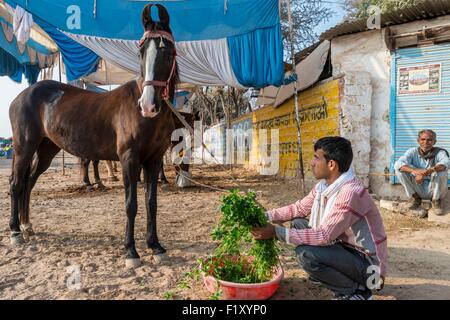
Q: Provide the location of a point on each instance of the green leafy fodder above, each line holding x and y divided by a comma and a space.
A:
239, 258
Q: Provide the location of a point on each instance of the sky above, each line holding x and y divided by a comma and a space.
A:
10, 89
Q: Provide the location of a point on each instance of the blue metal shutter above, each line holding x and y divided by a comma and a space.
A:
412, 113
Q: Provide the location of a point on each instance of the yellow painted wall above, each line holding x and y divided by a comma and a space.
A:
319, 116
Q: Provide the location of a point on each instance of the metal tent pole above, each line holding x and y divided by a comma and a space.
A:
297, 118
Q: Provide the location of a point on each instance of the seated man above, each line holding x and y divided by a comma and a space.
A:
423, 172
343, 246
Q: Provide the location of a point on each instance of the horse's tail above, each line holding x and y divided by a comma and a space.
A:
80, 163
11, 177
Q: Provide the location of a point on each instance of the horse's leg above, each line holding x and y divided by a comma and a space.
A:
85, 173
98, 181
46, 152
151, 170
129, 172
111, 170
139, 174
162, 176
18, 190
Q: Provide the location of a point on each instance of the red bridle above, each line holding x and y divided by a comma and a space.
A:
157, 83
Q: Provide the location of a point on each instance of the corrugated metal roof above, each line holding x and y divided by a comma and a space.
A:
427, 9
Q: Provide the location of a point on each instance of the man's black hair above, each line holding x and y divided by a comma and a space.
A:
338, 149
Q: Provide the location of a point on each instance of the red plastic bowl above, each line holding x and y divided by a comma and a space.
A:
245, 291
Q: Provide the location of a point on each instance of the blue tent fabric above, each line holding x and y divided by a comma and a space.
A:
254, 59
31, 72
79, 60
190, 20
251, 57
16, 62
9, 66
12, 47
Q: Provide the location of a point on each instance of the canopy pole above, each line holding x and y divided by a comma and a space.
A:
297, 118
63, 156
95, 9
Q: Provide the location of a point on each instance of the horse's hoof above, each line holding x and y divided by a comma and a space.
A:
165, 186
132, 263
27, 229
101, 186
156, 248
157, 258
17, 238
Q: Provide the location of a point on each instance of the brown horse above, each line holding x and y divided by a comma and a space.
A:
190, 119
85, 173
131, 124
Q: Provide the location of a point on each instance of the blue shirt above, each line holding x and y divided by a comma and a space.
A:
411, 158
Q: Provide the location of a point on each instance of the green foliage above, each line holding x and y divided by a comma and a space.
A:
184, 281
359, 8
168, 295
239, 258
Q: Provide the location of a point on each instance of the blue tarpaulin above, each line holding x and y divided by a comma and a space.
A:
21, 59
219, 42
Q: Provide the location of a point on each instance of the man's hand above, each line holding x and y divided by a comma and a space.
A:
419, 178
263, 233
419, 172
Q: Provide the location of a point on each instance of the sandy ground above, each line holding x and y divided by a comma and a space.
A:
80, 230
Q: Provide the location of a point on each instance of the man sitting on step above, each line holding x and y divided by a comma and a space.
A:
423, 172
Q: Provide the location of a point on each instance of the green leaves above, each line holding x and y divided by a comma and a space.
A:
239, 258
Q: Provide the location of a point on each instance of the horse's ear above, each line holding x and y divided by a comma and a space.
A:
146, 17
163, 16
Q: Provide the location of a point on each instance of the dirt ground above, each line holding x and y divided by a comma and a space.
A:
80, 229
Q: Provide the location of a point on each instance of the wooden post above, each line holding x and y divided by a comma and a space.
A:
297, 118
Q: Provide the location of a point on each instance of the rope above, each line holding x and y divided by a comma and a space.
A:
192, 132
199, 183
233, 179
382, 174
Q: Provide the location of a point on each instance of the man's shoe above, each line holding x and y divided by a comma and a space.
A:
357, 295
419, 213
313, 280
436, 208
414, 202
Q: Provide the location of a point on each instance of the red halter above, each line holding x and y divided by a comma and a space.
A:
157, 83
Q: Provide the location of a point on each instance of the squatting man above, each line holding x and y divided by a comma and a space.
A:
343, 245
423, 173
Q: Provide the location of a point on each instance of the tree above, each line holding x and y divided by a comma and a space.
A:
219, 103
358, 8
306, 15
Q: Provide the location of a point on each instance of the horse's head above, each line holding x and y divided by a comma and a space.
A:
158, 64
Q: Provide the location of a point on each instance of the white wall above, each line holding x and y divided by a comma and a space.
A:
367, 52
354, 119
